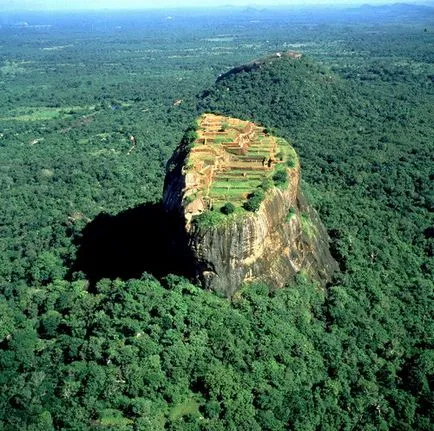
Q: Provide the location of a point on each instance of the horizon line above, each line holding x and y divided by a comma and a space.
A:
347, 4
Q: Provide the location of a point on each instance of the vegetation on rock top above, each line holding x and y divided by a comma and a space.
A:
236, 161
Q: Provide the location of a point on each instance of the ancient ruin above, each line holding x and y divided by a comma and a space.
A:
227, 161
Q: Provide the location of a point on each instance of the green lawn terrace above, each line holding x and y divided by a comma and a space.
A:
228, 160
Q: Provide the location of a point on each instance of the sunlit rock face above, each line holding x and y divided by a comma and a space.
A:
279, 239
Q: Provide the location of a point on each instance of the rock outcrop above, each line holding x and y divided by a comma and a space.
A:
258, 63
213, 177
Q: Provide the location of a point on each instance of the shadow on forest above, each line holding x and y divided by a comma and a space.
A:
141, 239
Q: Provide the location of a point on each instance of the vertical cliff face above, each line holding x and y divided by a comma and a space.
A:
280, 237
284, 237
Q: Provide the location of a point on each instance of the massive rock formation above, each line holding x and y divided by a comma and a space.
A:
235, 191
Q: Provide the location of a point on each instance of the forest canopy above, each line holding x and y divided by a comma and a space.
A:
123, 348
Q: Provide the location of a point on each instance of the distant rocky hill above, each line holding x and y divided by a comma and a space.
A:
283, 91
235, 190
258, 63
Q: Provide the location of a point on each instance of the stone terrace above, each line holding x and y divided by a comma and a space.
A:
229, 159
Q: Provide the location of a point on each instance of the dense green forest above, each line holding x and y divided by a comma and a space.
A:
103, 341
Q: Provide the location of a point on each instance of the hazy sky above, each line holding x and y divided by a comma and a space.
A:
140, 4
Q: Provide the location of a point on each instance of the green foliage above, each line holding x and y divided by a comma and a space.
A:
280, 178
142, 355
187, 407
220, 139
227, 208
190, 135
7, 321
254, 200
209, 219
267, 184
132, 353
113, 419
291, 161
225, 125
189, 199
